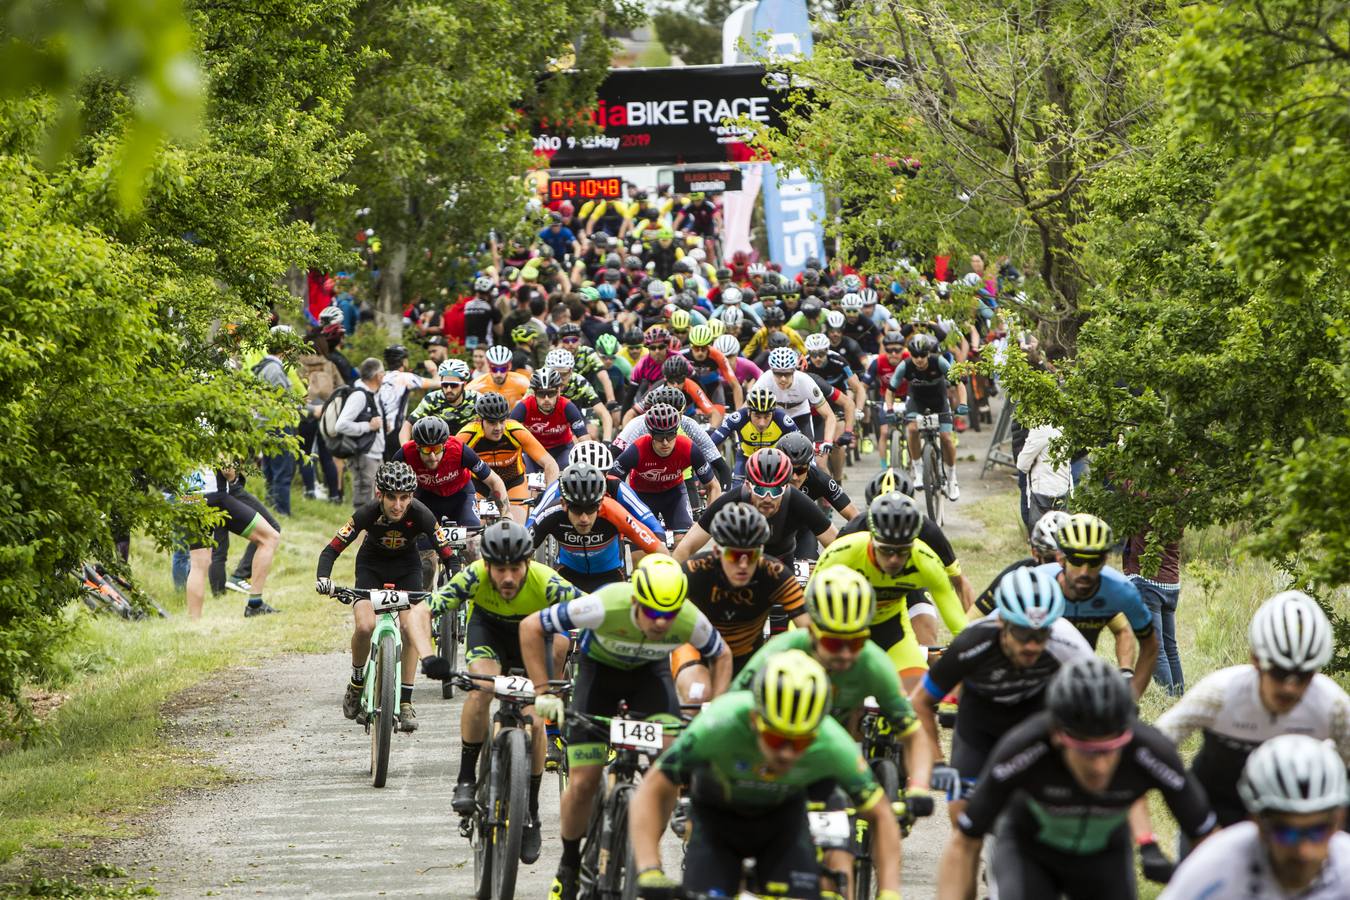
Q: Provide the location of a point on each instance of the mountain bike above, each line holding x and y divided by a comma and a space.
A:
106, 591
380, 691
450, 625
934, 467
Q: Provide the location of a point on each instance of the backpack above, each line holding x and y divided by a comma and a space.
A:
344, 446
321, 376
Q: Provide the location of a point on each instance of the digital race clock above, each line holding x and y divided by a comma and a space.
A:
585, 188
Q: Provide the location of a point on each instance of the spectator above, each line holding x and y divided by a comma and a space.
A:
361, 421
395, 388
241, 579
279, 468
1161, 593
1048, 482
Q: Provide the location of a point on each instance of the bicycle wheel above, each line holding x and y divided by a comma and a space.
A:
512, 808
589, 874
448, 641
899, 458
864, 874
382, 728
620, 872
481, 836
933, 486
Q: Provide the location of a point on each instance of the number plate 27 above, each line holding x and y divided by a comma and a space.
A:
631, 734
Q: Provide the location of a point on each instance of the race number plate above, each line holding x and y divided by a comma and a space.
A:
487, 508
515, 687
631, 734
457, 535
802, 569
830, 829
535, 481
387, 601
930, 422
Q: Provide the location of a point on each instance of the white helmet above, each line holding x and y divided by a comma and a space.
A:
591, 453
728, 345
697, 255
453, 368
484, 284
1293, 773
330, 315
732, 316
1290, 631
834, 319
757, 269
656, 289
1044, 531
851, 301
560, 359
784, 359
499, 355
731, 295
817, 342
868, 296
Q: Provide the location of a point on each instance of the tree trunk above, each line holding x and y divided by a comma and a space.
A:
389, 310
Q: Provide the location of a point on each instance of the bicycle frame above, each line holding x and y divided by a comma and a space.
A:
386, 623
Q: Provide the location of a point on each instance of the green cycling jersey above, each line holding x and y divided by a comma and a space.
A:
542, 588
610, 633
456, 415
580, 392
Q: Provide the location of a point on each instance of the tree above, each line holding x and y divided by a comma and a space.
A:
693, 31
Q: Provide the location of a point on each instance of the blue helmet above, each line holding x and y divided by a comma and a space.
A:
1029, 597
606, 291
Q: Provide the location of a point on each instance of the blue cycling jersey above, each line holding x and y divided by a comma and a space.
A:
626, 496
1115, 594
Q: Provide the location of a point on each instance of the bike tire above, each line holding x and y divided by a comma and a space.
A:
448, 640
620, 873
588, 873
933, 486
513, 807
898, 458
864, 873
382, 728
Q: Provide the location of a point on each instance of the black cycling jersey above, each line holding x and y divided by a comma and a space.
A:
861, 331
835, 370
975, 659
819, 485
985, 602
1026, 780
795, 513
391, 544
929, 533
479, 317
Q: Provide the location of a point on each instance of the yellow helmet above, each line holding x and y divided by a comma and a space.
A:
1084, 533
680, 320
792, 693
841, 600
699, 335
718, 327
659, 583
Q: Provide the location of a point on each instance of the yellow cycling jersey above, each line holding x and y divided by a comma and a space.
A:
924, 570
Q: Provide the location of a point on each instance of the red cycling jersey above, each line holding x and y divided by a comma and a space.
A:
449, 477
555, 429
653, 473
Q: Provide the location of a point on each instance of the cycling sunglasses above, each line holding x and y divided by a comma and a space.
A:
659, 614
1293, 835
581, 510
838, 643
429, 449
571, 340
1024, 635
1285, 675
761, 490
891, 549
776, 741
447, 385
1096, 746
1091, 560
664, 435
499, 370
735, 555
546, 395
801, 470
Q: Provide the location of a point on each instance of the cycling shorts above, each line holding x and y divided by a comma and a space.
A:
980, 725
492, 637
914, 409
778, 839
1027, 870
672, 506
648, 689
458, 508
240, 518
589, 582
559, 454
896, 637
805, 424
403, 574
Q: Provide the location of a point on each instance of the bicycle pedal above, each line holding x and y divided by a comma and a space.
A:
466, 827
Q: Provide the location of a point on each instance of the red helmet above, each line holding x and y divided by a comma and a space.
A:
768, 467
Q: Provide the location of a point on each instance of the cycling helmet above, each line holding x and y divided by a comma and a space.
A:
757, 269
731, 296
784, 359
663, 419
607, 345
761, 400
1029, 597
656, 336
668, 394
768, 467
483, 284
868, 297
684, 266
1290, 631
732, 316
723, 274
333, 331
811, 274
633, 336
727, 344
582, 485
768, 289
851, 283
632, 262
817, 343
569, 329
330, 315
453, 369
675, 368
851, 303
394, 356
656, 289
680, 320
659, 583
834, 320
893, 519
395, 478
560, 359
841, 600
605, 291
591, 453
430, 431
1293, 773
777, 339
1046, 527
1084, 533
893, 339
922, 345
612, 276
798, 448
740, 525
613, 261
811, 307
718, 327
792, 693
521, 335
506, 541
834, 294
700, 336
889, 481
491, 407
773, 316
589, 294
1090, 699
500, 354
545, 380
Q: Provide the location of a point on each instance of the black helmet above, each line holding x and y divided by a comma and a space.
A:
723, 274
778, 339
668, 394
492, 407
774, 316
798, 448
922, 345
632, 262
567, 329
506, 541
582, 485
613, 261
394, 356
893, 519
811, 307
887, 481
1090, 698
430, 431
633, 336
675, 368
395, 478
768, 289
544, 380
741, 526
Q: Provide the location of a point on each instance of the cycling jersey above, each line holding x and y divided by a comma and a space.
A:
718, 756
504, 456
541, 589
1226, 706
600, 550
619, 490
795, 514
647, 371
694, 396
513, 387
862, 331
391, 545
479, 317
834, 370
580, 392
610, 634
799, 398
820, 485
985, 602
929, 533
456, 415
761, 341
1234, 865
879, 372
553, 429
927, 387
1115, 594
739, 613
871, 675
451, 475
650, 473
688, 427
748, 437
1027, 781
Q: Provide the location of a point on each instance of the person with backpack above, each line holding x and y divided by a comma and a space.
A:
392, 397
354, 429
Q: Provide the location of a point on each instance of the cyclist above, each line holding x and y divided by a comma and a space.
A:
787, 509
775, 322
654, 466
554, 420
647, 370
589, 526
858, 327
505, 587
830, 367
748, 760
746, 372
759, 424
797, 393
388, 556
893, 559
1043, 550
925, 371
499, 378
594, 453
839, 343
691, 429
578, 390
808, 478
627, 630
1294, 788
587, 359
712, 370
878, 378
502, 442
453, 403
1096, 593
1057, 789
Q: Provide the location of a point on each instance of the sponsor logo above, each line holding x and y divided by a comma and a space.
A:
1159, 769
393, 540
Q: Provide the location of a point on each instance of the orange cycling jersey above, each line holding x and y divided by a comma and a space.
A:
505, 455
513, 388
